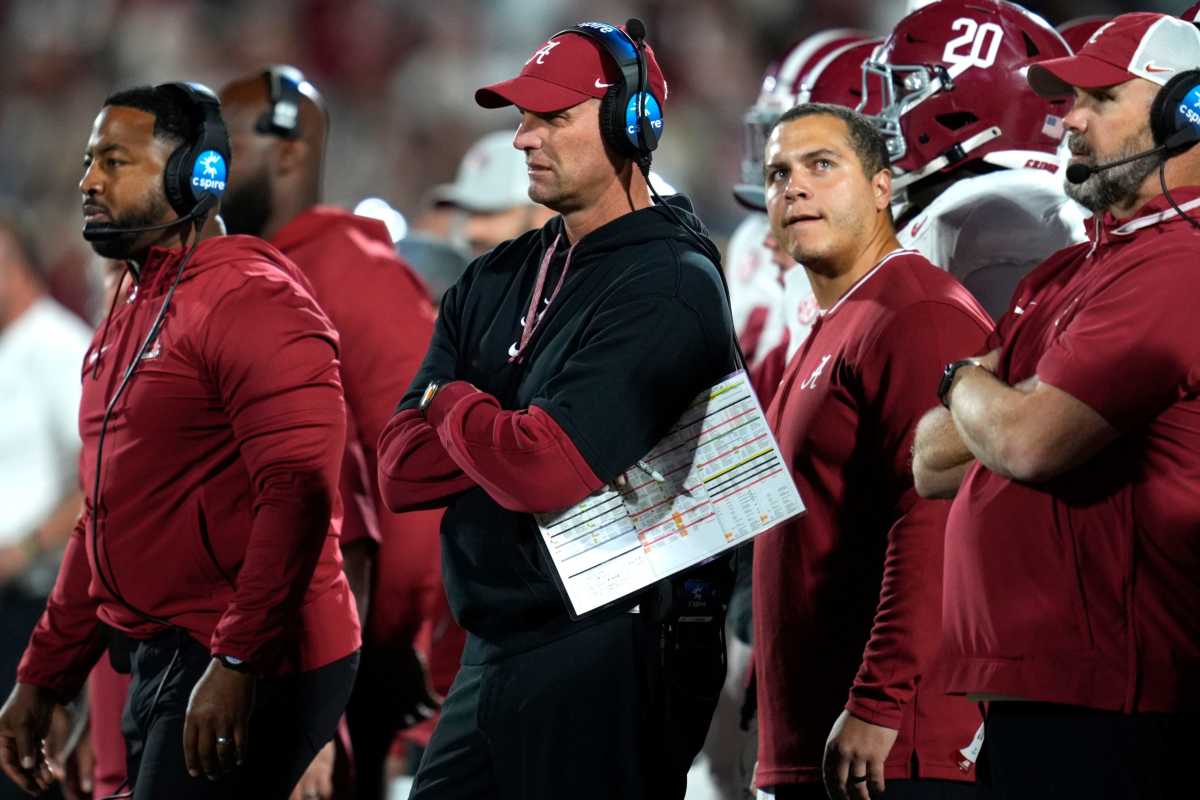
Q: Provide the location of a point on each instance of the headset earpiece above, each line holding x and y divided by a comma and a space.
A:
1175, 112
199, 169
630, 115
282, 119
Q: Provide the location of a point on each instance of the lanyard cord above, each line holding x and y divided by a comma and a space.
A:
532, 317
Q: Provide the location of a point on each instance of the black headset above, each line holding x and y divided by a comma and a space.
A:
282, 119
631, 119
196, 173
1175, 113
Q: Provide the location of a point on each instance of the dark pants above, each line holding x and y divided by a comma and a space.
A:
603, 713
896, 790
390, 683
1042, 750
294, 716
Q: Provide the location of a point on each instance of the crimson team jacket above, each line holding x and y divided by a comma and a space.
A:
384, 320
218, 508
847, 597
1083, 590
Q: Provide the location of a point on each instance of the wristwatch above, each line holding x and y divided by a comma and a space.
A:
948, 374
430, 392
233, 662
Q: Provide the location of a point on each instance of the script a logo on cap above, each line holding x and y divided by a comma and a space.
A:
541, 53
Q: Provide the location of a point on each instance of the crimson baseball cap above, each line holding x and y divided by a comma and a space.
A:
1156, 47
568, 69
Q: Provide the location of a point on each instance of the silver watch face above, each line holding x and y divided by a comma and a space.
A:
427, 398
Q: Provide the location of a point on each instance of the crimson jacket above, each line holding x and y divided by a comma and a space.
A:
218, 508
384, 320
847, 597
1084, 590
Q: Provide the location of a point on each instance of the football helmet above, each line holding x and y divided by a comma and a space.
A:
838, 79
952, 75
1192, 14
780, 88
1077, 31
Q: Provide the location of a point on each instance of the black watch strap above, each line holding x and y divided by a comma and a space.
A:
948, 377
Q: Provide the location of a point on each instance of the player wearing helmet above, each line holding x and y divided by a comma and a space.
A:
974, 149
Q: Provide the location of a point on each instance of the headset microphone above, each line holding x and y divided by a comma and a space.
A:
1078, 173
105, 233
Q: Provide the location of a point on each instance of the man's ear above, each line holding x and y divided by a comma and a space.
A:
290, 155
881, 185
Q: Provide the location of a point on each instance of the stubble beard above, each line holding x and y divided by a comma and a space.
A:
1115, 186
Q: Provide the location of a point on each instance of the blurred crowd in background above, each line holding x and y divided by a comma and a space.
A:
399, 77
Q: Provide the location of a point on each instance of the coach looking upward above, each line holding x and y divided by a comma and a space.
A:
212, 424
847, 601
1073, 545
558, 360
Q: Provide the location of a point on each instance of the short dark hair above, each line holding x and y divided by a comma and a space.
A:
174, 120
868, 143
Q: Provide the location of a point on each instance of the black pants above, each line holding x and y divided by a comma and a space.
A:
389, 684
1042, 750
896, 790
604, 713
293, 718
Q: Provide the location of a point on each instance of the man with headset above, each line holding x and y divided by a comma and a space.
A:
1072, 546
213, 424
558, 360
278, 125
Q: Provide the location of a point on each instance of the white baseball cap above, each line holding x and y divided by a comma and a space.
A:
491, 177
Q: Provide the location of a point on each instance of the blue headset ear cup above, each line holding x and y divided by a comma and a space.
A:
1163, 121
652, 133
175, 183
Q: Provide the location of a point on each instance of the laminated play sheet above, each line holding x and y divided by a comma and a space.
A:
716, 480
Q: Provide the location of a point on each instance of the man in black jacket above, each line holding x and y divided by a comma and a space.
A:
558, 360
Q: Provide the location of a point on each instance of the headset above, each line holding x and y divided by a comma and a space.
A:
631, 119
282, 119
1175, 113
1175, 127
196, 173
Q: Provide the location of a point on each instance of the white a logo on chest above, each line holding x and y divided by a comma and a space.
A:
811, 381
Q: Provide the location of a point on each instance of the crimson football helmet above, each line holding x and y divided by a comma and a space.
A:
838, 79
780, 88
953, 77
1077, 31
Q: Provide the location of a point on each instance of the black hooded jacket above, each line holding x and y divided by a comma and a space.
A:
640, 326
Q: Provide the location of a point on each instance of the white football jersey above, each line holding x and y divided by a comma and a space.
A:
990, 230
756, 292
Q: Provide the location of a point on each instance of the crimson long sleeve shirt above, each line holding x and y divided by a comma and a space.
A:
218, 509
847, 597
